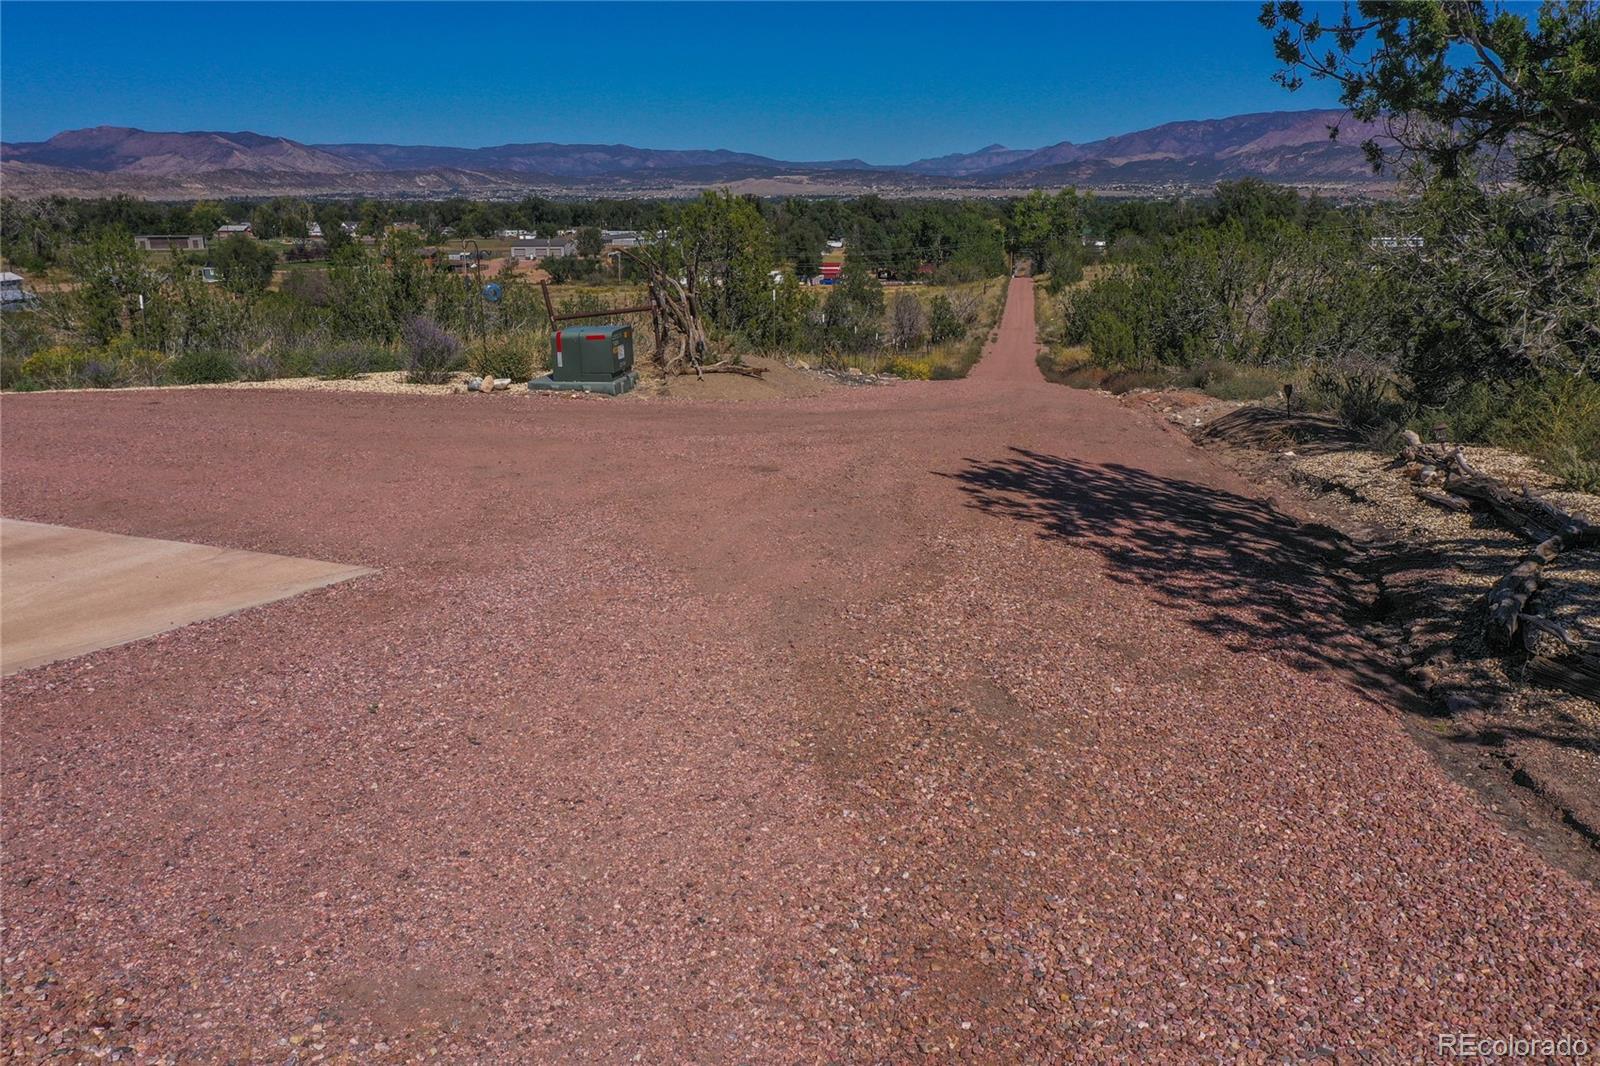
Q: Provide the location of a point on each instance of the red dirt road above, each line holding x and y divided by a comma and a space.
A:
979, 720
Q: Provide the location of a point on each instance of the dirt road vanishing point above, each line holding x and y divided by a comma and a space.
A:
975, 720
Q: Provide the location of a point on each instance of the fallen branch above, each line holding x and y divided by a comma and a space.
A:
728, 366
1552, 529
1527, 514
1444, 499
1508, 600
1530, 624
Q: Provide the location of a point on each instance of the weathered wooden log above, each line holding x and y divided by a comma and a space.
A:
1552, 529
1530, 516
1577, 674
1508, 600
1444, 499
726, 366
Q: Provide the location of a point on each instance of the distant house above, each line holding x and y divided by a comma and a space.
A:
350, 227
234, 229
545, 248
836, 243
314, 230
515, 234
170, 242
621, 238
13, 296
831, 271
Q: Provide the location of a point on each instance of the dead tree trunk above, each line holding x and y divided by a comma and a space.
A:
680, 334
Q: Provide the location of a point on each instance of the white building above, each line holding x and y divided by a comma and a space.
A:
13, 296
170, 242
545, 248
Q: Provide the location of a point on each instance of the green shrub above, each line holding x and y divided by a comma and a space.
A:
135, 365
202, 368
1470, 414
502, 357
1359, 400
1232, 381
1121, 381
1574, 469
22, 333
1556, 420
260, 366
1111, 339
56, 367
342, 363
944, 324
11, 368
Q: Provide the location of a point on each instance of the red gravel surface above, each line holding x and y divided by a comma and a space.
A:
979, 720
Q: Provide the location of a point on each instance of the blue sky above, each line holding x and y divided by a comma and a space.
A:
887, 83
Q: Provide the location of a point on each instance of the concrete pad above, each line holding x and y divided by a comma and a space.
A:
65, 592
615, 387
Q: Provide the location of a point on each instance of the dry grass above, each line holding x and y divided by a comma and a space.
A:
952, 359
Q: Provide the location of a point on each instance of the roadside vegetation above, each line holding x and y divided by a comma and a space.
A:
1473, 303
919, 288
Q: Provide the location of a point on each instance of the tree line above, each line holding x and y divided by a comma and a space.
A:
958, 239
108, 304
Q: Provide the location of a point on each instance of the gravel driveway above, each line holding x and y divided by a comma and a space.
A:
979, 720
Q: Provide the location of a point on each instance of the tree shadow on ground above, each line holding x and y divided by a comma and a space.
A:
1235, 567
1271, 429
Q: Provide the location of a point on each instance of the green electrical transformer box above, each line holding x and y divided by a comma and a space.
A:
591, 359
592, 353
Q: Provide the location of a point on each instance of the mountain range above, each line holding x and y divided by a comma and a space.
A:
1286, 146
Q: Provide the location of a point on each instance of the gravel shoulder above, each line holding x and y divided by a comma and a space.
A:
972, 719
1531, 749
781, 380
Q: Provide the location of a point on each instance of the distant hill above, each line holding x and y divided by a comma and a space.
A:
993, 158
1272, 144
1284, 146
118, 150
551, 160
